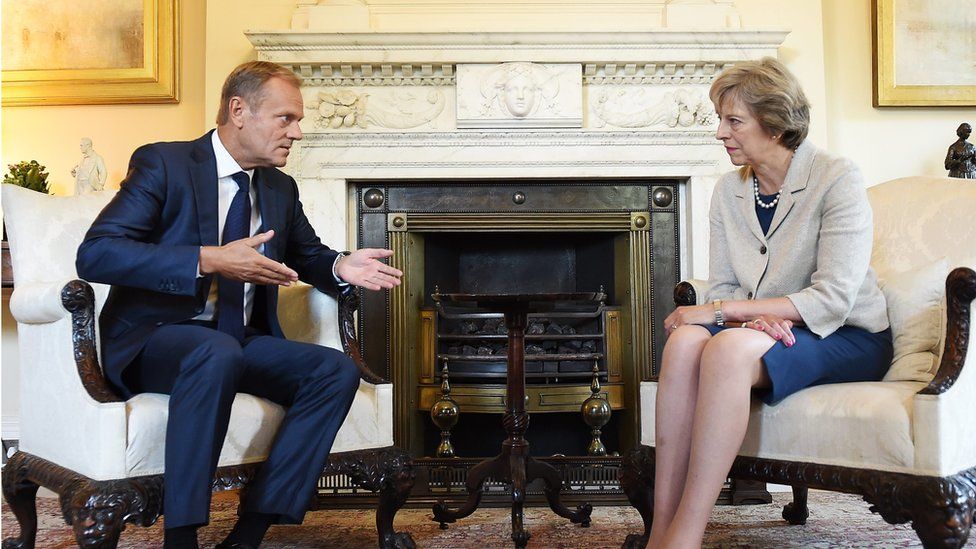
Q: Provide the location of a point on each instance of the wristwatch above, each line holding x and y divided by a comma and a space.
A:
719, 315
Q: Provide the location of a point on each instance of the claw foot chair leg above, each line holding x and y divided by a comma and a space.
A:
943, 524
393, 495
384, 470
98, 511
637, 481
797, 512
20, 494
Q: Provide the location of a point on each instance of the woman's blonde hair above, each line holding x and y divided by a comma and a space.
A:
771, 93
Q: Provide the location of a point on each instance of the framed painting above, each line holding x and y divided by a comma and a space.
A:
924, 53
65, 52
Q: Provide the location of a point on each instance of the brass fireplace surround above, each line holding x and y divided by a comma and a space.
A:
641, 217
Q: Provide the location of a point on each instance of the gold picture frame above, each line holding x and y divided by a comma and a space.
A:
913, 54
157, 80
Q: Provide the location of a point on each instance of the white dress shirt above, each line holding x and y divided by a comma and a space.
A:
226, 189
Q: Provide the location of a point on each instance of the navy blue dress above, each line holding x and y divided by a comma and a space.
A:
848, 354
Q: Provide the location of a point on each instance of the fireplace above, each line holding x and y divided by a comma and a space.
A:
616, 236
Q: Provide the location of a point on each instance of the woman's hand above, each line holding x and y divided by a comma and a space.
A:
776, 327
692, 314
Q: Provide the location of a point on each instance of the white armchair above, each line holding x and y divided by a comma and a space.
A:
104, 456
907, 444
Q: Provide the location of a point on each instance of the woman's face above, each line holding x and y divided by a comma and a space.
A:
746, 141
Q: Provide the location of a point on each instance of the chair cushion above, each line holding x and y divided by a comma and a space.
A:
863, 425
916, 309
253, 424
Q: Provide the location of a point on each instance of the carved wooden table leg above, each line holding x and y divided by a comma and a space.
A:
493, 467
513, 465
539, 469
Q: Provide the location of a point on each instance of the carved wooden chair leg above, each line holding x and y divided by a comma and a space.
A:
797, 512
384, 470
20, 494
98, 511
96, 518
637, 481
942, 514
393, 495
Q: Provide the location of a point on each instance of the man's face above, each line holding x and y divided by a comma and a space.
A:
269, 129
964, 131
85, 147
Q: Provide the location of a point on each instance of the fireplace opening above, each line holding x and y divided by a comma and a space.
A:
518, 263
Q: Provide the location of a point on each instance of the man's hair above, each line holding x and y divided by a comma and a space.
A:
247, 82
771, 93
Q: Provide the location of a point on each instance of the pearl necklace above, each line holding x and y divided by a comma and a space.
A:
759, 202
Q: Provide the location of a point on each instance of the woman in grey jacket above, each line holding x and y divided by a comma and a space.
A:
792, 300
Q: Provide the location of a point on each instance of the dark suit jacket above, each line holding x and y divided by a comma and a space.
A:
146, 244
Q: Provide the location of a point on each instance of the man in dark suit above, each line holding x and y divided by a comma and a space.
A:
195, 245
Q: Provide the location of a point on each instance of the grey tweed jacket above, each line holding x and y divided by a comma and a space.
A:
817, 250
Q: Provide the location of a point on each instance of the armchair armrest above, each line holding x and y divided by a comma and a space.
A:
943, 431
50, 302
348, 305
960, 292
690, 292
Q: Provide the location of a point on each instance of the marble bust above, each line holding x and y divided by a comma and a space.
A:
89, 173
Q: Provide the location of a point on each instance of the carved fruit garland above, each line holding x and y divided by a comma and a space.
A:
342, 108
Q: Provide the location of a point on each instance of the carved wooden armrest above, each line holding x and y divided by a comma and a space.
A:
78, 299
684, 294
348, 304
960, 292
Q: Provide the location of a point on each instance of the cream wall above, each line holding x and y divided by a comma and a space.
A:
886, 143
51, 135
227, 46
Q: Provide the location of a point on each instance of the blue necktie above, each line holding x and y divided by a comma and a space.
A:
230, 293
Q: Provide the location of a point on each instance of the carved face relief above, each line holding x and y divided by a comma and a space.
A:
518, 90
520, 93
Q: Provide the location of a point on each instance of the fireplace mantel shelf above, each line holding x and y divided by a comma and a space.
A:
472, 47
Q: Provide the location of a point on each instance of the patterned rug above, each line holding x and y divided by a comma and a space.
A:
836, 520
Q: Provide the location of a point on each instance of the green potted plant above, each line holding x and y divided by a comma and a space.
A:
29, 175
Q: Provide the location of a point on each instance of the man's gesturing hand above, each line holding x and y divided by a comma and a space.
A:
364, 268
239, 260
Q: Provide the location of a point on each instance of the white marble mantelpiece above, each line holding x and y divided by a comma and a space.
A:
384, 106
668, 46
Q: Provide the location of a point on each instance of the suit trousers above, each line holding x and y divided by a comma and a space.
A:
202, 369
